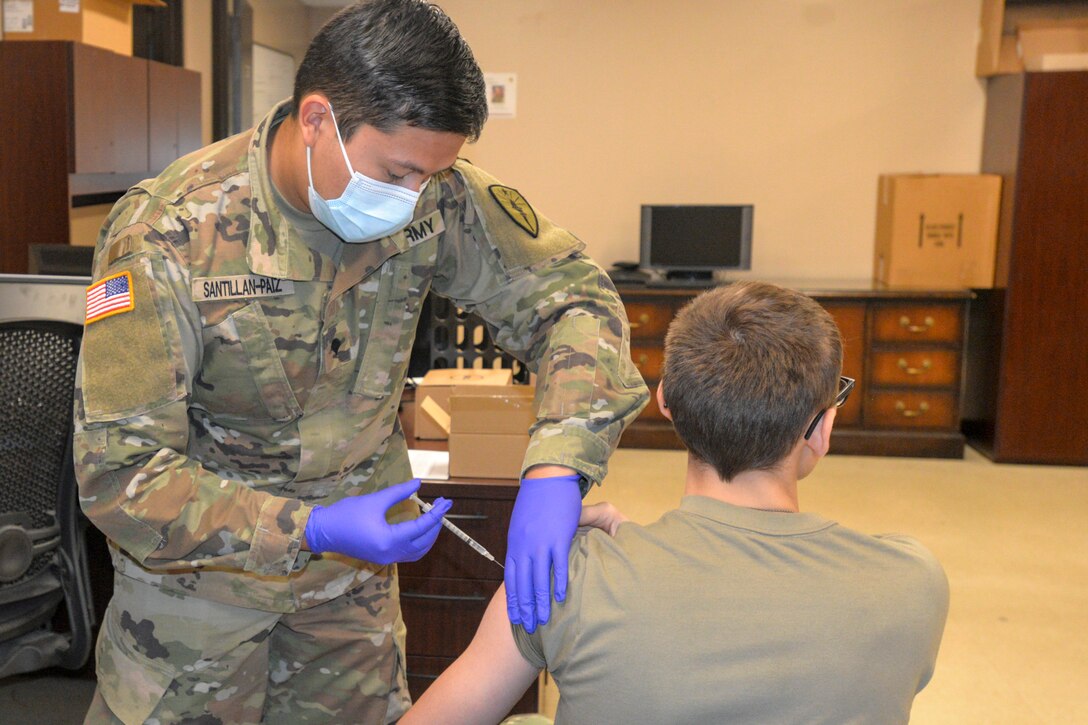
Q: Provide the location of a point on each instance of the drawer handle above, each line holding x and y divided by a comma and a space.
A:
467, 517
900, 406
444, 597
643, 358
643, 319
905, 367
418, 676
926, 326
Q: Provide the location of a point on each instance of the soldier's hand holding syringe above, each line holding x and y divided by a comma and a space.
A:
477, 546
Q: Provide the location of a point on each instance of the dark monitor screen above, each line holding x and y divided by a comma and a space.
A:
60, 259
696, 237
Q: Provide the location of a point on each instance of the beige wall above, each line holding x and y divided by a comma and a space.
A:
283, 25
793, 106
85, 222
198, 55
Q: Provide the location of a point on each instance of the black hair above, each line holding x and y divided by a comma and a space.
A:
390, 62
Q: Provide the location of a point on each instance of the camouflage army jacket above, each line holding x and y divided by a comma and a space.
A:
254, 376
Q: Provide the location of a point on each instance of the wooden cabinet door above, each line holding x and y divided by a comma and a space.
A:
1041, 413
174, 113
850, 318
34, 148
109, 125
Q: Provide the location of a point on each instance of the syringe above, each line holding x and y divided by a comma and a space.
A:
457, 532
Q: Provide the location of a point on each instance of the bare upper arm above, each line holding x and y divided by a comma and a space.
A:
484, 682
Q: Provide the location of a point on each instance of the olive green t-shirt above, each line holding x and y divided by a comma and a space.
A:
717, 613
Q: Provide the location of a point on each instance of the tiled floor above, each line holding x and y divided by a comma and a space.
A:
1013, 540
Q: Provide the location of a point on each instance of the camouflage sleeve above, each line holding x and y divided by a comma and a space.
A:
132, 425
551, 307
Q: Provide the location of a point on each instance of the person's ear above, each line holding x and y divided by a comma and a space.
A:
312, 112
661, 404
820, 440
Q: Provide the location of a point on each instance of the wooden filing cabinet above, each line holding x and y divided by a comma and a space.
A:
904, 348
443, 596
81, 124
914, 360
1027, 351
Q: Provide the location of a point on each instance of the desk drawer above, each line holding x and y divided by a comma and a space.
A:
917, 323
442, 614
649, 360
485, 520
911, 409
649, 320
916, 367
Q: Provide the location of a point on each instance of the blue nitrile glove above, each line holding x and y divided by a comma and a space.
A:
541, 528
356, 526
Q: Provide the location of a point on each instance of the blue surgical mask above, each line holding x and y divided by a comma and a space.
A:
368, 209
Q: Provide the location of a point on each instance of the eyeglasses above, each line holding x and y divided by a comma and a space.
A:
845, 386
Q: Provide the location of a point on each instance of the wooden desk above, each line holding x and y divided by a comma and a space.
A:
443, 595
903, 346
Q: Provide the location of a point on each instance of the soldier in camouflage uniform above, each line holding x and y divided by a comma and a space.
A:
242, 368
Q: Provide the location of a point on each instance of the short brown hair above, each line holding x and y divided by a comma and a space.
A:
747, 367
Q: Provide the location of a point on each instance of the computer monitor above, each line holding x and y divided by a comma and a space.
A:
690, 242
60, 259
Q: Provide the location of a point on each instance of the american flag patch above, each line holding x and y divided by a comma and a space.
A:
110, 296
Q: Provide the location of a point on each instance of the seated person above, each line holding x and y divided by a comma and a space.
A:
734, 607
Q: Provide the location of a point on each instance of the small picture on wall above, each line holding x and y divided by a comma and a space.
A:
502, 94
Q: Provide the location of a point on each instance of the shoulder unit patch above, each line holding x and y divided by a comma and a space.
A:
516, 207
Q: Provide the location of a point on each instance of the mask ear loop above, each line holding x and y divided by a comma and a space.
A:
309, 173
344, 151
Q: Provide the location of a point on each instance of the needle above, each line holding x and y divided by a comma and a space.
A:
457, 532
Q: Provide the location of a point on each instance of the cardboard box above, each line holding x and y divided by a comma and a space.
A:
1053, 47
433, 397
1030, 36
489, 431
495, 409
937, 230
487, 455
996, 53
104, 23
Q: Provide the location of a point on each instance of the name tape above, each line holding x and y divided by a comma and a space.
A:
240, 286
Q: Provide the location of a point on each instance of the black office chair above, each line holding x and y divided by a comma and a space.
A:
46, 612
